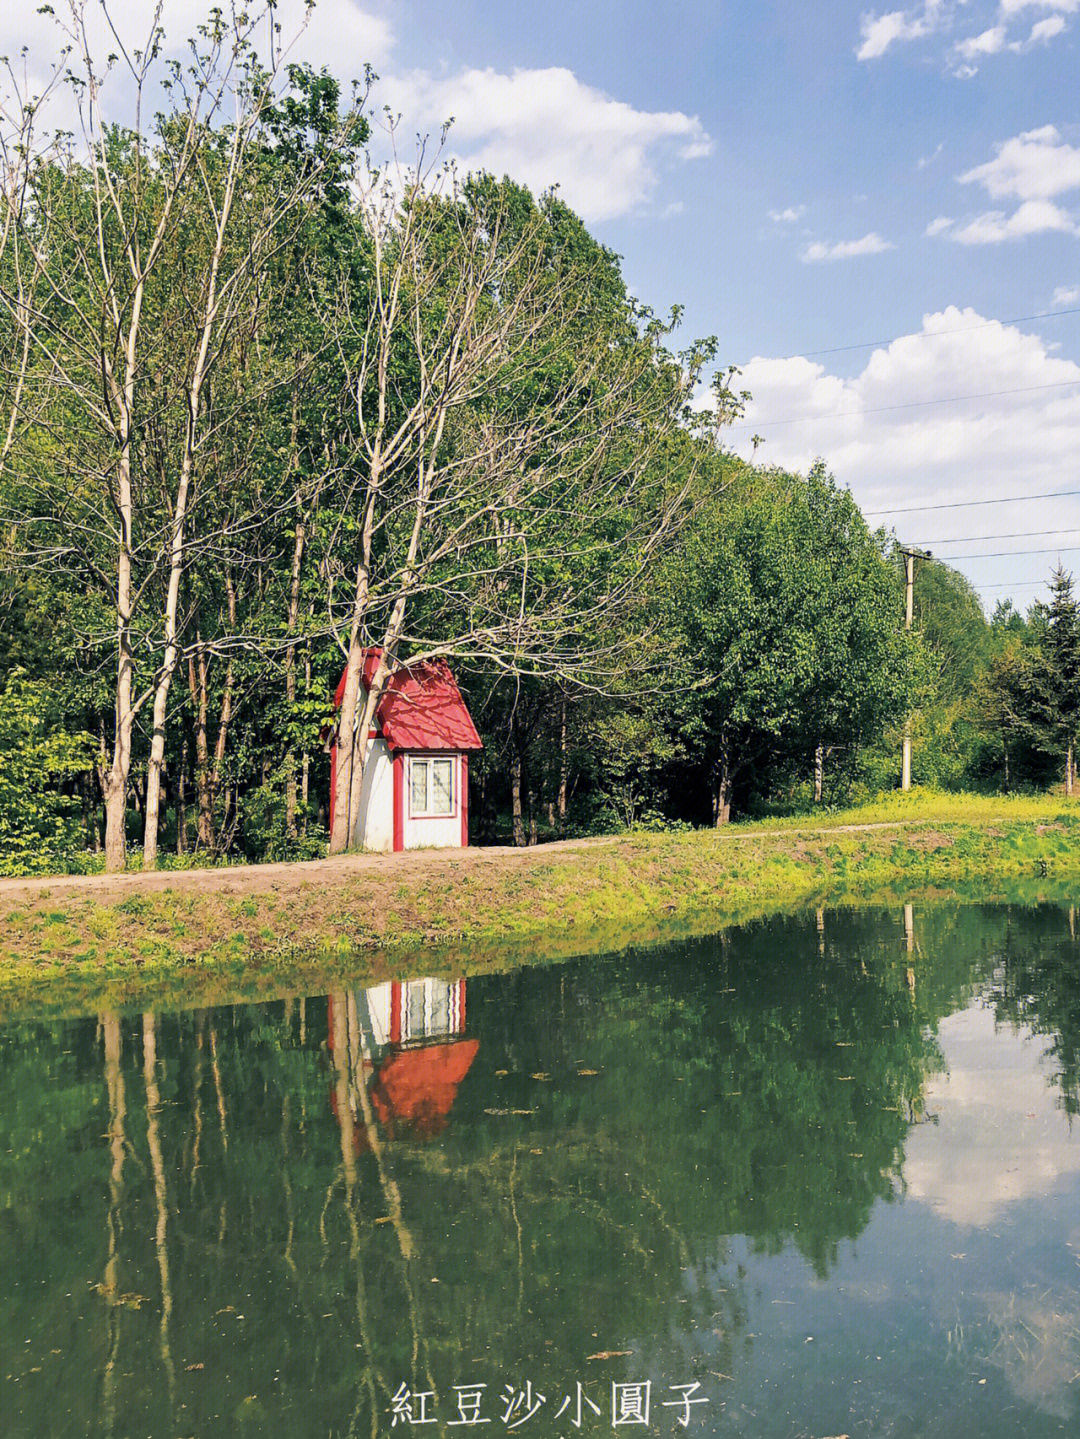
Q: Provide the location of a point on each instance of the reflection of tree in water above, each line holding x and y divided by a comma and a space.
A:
1038, 986
763, 1088
291, 1247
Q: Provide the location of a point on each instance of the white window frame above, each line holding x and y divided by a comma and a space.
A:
427, 761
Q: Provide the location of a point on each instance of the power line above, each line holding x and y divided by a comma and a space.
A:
913, 335
1004, 554
969, 504
1013, 535
1006, 585
910, 405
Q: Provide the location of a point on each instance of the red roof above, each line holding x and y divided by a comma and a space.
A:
421, 707
418, 1086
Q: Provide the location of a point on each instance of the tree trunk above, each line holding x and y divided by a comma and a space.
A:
156, 761
722, 792
114, 780
197, 683
533, 836
1005, 756
342, 827
515, 797
209, 768
564, 763
305, 763
115, 783
221, 743
96, 814
819, 772
290, 678
181, 801
1069, 769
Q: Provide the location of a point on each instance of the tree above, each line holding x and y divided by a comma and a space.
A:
1041, 691
787, 626
1060, 652
132, 262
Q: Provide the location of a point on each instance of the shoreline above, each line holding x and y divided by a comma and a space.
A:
115, 941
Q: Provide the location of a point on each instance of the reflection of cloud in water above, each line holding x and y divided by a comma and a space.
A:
1036, 1344
1000, 1136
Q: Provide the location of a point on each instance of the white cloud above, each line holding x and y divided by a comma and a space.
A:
788, 216
1044, 30
988, 43
1066, 295
546, 127
879, 32
994, 41
1014, 7
1034, 217
925, 160
1034, 165
879, 435
871, 244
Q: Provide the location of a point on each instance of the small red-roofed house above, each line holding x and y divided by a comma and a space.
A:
415, 793
408, 1039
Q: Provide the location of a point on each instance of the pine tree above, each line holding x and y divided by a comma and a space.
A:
1056, 695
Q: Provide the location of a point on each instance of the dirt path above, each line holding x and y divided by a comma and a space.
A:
296, 876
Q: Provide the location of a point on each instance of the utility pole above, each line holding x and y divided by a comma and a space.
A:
910, 556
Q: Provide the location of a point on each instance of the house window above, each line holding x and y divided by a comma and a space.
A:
431, 787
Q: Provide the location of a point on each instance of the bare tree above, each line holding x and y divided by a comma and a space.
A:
501, 479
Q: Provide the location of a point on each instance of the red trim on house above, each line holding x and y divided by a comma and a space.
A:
399, 801
395, 1011
464, 801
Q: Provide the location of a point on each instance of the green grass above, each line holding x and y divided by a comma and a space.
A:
929, 805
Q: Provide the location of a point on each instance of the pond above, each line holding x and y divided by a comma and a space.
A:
817, 1176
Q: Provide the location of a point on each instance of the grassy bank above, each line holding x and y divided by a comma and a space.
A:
267, 929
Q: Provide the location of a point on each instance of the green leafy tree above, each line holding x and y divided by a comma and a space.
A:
786, 627
39, 757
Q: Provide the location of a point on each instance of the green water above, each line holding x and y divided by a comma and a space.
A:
825, 1169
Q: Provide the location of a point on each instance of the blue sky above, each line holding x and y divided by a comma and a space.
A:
800, 178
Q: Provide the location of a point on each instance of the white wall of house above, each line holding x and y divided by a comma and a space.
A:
375, 822
428, 830
378, 999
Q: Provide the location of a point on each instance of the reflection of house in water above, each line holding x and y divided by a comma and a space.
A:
405, 1041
